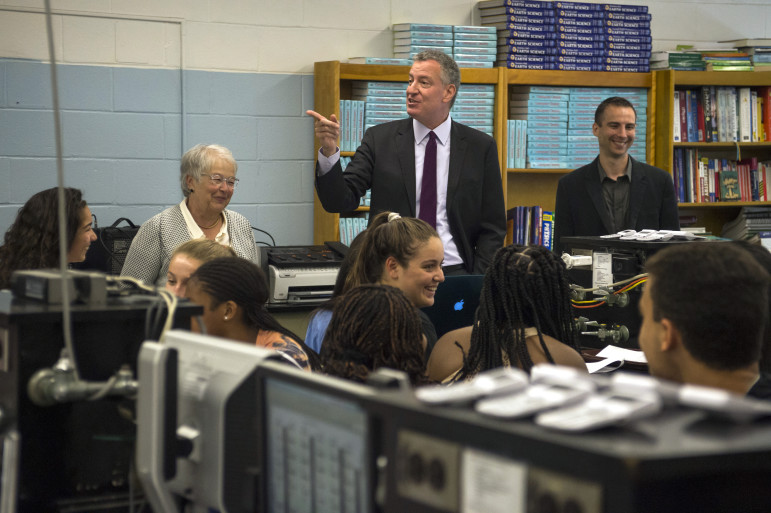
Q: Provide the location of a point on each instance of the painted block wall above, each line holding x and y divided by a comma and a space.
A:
142, 80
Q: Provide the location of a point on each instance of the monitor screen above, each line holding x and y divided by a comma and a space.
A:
318, 457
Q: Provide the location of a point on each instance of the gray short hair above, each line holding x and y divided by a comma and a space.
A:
448, 68
199, 160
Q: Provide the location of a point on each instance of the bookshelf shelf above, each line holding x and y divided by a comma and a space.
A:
539, 171
729, 145
711, 215
726, 204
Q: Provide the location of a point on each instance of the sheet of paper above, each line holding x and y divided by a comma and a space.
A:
606, 365
483, 490
619, 353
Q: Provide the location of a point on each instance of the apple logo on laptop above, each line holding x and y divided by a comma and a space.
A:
459, 306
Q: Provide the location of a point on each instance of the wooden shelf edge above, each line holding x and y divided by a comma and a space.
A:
538, 171
726, 204
758, 144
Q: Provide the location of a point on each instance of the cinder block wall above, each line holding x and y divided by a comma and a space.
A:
140, 81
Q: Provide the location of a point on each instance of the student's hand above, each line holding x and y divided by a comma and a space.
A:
327, 131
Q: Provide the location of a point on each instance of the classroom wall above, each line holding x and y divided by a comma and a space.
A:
140, 81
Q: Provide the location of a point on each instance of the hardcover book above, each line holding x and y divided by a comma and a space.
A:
422, 27
729, 185
571, 13
578, 6
531, 4
517, 11
631, 9
627, 24
521, 20
469, 30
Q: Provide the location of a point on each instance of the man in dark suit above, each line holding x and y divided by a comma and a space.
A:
470, 214
615, 192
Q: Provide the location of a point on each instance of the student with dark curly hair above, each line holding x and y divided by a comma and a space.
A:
373, 326
524, 318
233, 292
32, 241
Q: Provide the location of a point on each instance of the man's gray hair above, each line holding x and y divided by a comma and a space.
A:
448, 68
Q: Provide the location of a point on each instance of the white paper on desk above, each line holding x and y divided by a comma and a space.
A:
602, 365
483, 490
619, 353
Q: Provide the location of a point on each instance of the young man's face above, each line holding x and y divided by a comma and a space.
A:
650, 338
616, 133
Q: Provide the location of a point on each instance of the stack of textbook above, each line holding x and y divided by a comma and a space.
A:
383, 101
574, 36
749, 224
475, 107
473, 46
412, 38
351, 124
546, 110
759, 51
683, 60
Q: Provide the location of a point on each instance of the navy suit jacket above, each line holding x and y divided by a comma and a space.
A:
580, 208
385, 163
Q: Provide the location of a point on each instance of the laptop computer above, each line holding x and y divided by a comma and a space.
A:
455, 302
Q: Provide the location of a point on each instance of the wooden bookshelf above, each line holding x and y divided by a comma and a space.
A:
710, 215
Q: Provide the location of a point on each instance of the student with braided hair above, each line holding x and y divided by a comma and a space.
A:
403, 252
233, 292
373, 326
524, 318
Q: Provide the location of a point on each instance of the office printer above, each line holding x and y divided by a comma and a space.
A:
302, 274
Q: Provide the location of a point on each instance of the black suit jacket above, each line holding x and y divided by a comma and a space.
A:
385, 163
580, 208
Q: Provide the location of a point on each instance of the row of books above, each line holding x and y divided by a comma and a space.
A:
722, 114
700, 179
558, 129
350, 227
516, 143
759, 51
530, 225
470, 46
535, 34
687, 58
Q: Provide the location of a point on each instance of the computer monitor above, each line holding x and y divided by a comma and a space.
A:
198, 423
318, 443
232, 428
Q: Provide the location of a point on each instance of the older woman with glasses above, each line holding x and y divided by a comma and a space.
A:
208, 179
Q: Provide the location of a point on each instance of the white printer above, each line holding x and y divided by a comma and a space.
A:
302, 274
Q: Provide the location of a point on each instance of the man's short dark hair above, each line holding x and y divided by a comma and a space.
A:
616, 101
763, 256
716, 295
448, 68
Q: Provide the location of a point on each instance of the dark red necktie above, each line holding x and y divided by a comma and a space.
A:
428, 185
